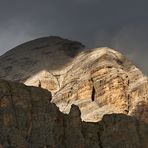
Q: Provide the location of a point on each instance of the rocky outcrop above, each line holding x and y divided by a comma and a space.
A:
100, 81
29, 120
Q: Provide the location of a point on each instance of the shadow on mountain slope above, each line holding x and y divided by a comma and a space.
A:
28, 59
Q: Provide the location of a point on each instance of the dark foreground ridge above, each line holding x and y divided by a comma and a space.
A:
29, 120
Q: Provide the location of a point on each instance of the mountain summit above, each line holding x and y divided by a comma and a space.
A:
100, 81
68, 87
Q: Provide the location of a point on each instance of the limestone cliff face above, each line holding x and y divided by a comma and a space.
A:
29, 120
100, 81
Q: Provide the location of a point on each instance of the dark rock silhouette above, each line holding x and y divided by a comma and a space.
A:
29, 120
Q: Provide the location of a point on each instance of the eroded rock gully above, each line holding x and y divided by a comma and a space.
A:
29, 120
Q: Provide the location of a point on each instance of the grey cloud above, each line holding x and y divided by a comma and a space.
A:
115, 23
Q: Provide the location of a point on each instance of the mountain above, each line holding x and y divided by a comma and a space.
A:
29, 120
99, 81
43, 55
102, 81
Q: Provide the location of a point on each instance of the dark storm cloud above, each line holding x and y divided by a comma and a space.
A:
120, 24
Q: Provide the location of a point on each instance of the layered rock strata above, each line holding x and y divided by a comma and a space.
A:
101, 82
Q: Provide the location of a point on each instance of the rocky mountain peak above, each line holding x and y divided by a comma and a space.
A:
100, 81
43, 54
68, 88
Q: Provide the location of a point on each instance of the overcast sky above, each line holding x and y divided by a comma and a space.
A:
120, 24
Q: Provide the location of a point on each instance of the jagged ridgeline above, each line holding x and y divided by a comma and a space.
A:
100, 81
29, 120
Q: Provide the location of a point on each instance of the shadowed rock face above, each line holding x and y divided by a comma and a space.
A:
100, 81
29, 120
42, 60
